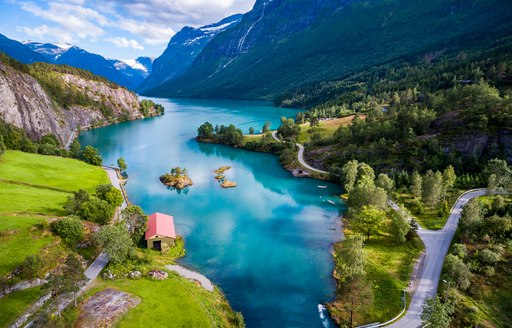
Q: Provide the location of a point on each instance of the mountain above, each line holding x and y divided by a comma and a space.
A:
19, 51
42, 98
281, 45
74, 56
134, 70
183, 48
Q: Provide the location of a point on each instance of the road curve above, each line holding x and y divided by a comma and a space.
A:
300, 156
436, 247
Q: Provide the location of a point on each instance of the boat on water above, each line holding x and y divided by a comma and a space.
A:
323, 187
331, 202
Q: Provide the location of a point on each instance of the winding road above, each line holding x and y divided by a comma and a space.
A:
300, 155
436, 247
436, 243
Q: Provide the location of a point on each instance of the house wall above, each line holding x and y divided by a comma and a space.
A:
168, 240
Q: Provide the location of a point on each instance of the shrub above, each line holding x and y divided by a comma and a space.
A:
92, 156
96, 210
110, 194
487, 256
70, 229
31, 268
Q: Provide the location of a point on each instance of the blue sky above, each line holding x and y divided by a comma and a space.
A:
122, 29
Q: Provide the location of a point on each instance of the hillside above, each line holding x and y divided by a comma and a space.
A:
281, 45
34, 191
47, 99
182, 50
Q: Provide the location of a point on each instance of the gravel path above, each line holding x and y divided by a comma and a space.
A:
192, 275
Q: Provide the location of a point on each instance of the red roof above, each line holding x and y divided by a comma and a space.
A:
160, 225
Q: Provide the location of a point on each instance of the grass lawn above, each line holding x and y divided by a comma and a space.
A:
18, 240
14, 304
389, 267
429, 218
175, 300
59, 172
29, 200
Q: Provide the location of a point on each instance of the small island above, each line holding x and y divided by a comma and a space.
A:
222, 178
228, 184
178, 178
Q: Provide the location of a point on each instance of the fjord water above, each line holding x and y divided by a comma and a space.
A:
267, 242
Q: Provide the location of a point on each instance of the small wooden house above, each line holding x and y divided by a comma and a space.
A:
160, 230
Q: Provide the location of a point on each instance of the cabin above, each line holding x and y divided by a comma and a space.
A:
160, 229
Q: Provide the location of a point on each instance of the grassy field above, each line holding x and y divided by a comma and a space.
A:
389, 266
326, 128
430, 218
176, 299
13, 304
19, 238
63, 173
29, 200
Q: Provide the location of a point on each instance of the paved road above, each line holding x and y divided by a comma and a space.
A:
436, 247
300, 156
70, 139
186, 273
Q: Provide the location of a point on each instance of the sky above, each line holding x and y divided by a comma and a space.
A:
121, 29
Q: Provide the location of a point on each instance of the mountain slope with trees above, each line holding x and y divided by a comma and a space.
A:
282, 45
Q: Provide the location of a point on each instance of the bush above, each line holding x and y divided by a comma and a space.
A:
74, 203
31, 268
489, 257
92, 156
70, 229
109, 193
96, 210
116, 241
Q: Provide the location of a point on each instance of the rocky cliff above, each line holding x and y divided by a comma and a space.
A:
25, 104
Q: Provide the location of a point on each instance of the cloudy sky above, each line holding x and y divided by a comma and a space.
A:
122, 29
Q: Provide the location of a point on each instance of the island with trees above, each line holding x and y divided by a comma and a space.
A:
178, 178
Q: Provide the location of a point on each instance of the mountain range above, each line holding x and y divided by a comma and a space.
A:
129, 73
281, 45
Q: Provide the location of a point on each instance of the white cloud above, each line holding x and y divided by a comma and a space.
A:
39, 33
177, 13
123, 42
73, 18
153, 34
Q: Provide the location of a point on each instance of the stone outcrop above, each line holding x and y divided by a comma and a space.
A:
25, 104
104, 308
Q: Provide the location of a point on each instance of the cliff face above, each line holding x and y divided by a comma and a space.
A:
25, 104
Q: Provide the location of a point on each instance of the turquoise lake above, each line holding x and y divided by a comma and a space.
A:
266, 243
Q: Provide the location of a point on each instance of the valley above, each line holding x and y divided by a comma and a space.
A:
276, 163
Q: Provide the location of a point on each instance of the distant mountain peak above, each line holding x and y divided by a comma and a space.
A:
135, 64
